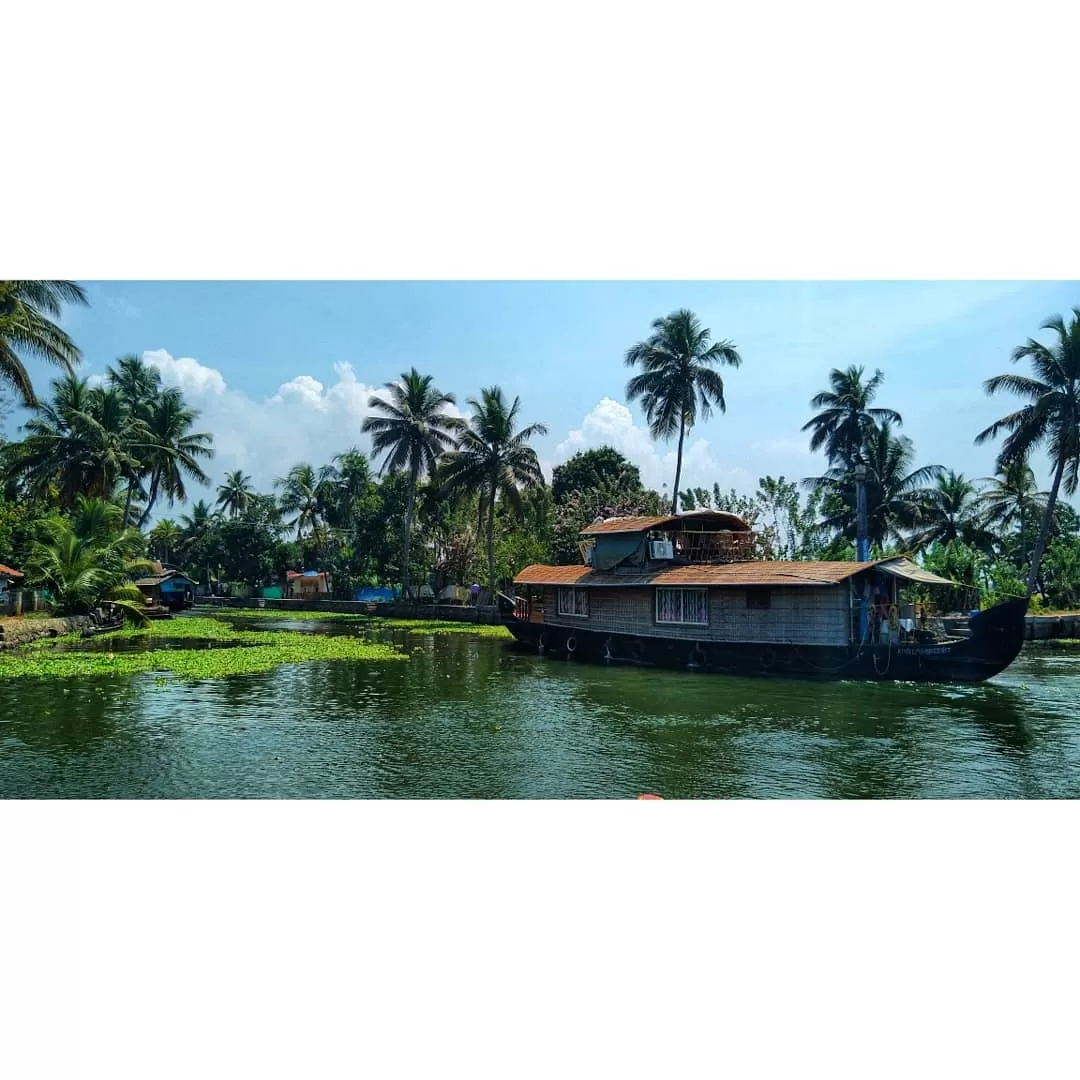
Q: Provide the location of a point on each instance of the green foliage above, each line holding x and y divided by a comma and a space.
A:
963, 564
600, 469
88, 559
1060, 574
1050, 416
27, 329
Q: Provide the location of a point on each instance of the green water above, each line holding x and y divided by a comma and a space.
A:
470, 718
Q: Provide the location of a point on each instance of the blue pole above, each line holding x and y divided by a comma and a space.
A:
862, 543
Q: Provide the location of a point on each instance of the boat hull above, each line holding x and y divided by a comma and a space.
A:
997, 635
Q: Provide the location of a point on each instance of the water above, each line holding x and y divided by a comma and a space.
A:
469, 718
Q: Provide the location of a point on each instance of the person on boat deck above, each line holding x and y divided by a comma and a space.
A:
881, 609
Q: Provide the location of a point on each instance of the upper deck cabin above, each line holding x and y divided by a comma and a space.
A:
703, 537
693, 575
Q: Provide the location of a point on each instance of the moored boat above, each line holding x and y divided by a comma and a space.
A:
686, 591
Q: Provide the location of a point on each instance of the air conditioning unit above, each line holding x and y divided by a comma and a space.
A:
661, 549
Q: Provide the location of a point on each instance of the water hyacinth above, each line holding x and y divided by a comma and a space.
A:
240, 651
252, 652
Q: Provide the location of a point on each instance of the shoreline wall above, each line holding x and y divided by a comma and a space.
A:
21, 631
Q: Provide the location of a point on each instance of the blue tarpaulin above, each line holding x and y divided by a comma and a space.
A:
369, 595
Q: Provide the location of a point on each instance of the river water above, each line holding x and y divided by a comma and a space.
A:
469, 717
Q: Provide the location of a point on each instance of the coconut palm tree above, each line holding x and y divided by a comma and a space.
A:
174, 451
846, 420
895, 490
82, 442
950, 511
1051, 416
137, 381
235, 494
89, 559
165, 537
678, 383
493, 460
196, 525
413, 431
27, 309
307, 493
1011, 497
51, 460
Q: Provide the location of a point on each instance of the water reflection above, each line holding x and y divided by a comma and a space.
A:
467, 718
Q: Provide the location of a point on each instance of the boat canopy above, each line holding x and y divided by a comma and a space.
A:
906, 570
688, 520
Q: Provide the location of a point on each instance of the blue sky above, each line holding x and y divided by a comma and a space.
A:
282, 370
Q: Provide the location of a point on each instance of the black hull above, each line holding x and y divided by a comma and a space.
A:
996, 638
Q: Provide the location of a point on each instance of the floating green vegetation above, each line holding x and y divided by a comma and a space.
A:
274, 649
1056, 644
439, 626
282, 613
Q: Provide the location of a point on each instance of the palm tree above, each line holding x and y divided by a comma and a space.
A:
414, 431
89, 559
948, 512
1051, 417
846, 419
307, 493
119, 443
51, 459
27, 309
1012, 499
165, 537
82, 442
494, 461
235, 494
197, 524
895, 490
138, 382
175, 450
677, 379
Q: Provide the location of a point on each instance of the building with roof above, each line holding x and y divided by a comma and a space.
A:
167, 588
307, 585
10, 581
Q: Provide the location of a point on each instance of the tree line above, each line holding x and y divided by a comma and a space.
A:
445, 500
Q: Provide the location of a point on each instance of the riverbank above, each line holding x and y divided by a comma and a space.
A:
16, 630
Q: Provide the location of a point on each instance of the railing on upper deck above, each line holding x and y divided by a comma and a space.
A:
713, 547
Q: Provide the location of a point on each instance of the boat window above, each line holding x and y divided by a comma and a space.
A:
574, 602
682, 606
759, 599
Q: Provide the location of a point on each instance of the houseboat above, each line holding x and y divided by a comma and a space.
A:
687, 591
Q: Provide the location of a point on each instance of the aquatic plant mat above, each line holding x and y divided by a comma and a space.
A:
217, 648
222, 651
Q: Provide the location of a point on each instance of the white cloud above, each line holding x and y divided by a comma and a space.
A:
303, 420
610, 423
193, 378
